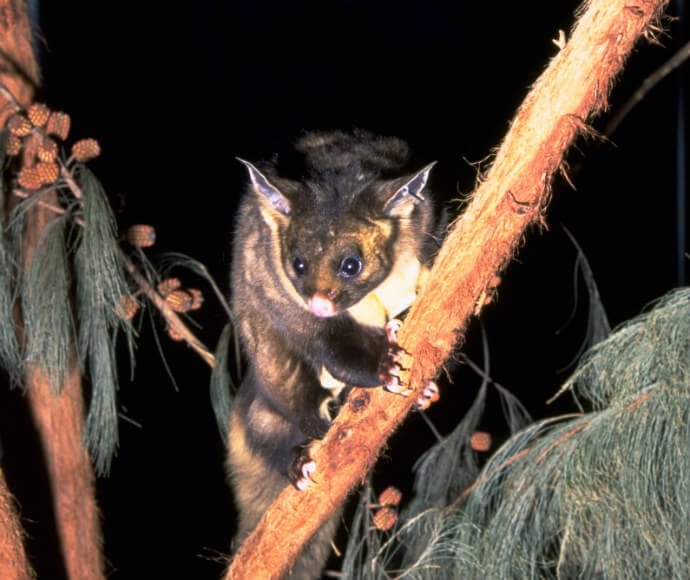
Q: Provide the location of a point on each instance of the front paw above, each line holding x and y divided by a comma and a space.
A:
314, 426
302, 470
394, 369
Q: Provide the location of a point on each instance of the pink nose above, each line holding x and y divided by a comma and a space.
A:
321, 306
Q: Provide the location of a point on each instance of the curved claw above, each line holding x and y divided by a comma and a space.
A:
394, 370
302, 470
306, 480
396, 364
398, 388
392, 328
429, 395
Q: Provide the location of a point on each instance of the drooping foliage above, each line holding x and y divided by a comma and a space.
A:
597, 494
10, 357
69, 293
100, 287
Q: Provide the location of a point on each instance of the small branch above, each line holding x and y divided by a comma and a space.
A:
519, 455
69, 180
173, 320
200, 269
647, 85
639, 400
498, 468
171, 316
562, 438
567, 435
44, 204
14, 106
217, 291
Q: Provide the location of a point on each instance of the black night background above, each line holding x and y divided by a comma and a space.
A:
174, 92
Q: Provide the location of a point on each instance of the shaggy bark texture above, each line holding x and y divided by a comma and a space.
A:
513, 195
13, 562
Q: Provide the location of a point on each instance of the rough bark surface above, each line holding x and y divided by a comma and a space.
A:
59, 420
13, 562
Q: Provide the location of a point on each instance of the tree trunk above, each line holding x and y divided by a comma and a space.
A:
59, 418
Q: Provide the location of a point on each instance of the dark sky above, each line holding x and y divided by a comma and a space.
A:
173, 95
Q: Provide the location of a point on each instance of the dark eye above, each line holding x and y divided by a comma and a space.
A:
299, 266
350, 266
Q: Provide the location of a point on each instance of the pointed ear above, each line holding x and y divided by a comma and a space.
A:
404, 193
266, 190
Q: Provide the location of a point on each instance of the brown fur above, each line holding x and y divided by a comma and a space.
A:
354, 203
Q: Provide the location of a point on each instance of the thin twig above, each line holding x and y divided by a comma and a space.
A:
5, 92
562, 438
484, 476
469, 489
44, 204
647, 85
173, 320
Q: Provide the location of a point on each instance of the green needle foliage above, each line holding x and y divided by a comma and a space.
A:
605, 494
598, 494
100, 286
71, 296
221, 382
222, 386
10, 356
48, 323
442, 473
450, 465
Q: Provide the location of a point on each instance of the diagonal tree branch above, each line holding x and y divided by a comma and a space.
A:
513, 195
